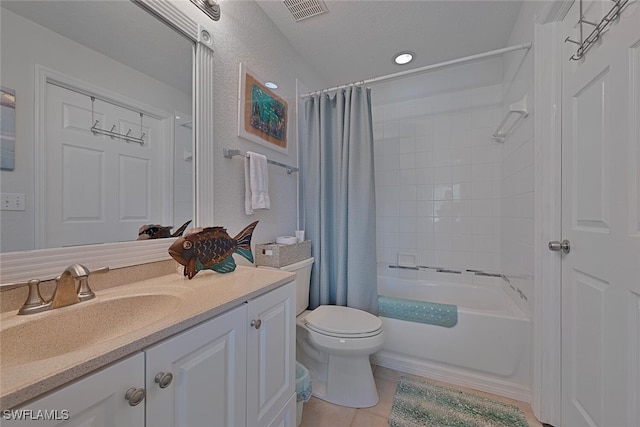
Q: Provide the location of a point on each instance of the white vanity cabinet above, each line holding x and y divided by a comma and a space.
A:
271, 357
234, 370
94, 401
198, 377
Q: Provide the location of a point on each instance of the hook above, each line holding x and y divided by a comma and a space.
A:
568, 39
587, 22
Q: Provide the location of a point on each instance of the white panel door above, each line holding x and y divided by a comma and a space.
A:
95, 401
601, 219
99, 189
208, 366
270, 354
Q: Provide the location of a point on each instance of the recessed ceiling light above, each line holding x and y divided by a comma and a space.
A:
271, 85
403, 58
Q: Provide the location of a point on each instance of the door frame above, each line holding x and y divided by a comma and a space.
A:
44, 76
547, 309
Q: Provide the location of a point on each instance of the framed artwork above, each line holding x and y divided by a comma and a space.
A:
263, 116
7, 129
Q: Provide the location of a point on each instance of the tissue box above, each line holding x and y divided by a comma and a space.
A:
278, 255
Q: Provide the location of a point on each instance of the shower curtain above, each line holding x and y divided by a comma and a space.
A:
339, 198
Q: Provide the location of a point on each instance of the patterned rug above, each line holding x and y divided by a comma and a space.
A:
420, 404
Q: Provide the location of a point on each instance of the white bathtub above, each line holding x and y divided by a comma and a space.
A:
488, 349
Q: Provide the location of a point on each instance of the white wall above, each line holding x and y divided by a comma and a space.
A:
37, 45
245, 34
438, 172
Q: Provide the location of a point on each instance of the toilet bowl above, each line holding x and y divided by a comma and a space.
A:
338, 358
334, 343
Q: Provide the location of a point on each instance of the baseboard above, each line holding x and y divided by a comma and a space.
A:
450, 375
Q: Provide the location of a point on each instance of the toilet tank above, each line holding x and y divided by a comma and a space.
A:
303, 279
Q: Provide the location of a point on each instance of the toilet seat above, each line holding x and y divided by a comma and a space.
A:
343, 322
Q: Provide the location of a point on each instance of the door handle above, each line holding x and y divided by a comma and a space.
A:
556, 246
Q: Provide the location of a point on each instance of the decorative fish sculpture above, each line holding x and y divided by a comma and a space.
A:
211, 248
157, 231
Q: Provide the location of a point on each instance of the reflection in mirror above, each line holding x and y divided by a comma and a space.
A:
102, 131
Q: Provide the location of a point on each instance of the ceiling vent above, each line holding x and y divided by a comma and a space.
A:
303, 9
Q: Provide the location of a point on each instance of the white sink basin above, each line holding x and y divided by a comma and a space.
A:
41, 336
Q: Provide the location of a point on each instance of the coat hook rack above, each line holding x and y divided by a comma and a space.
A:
111, 133
598, 28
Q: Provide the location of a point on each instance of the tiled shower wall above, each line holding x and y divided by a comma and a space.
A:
438, 179
518, 165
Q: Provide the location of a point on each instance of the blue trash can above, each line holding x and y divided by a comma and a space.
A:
303, 389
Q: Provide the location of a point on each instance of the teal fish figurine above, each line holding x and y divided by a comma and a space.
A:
212, 249
157, 231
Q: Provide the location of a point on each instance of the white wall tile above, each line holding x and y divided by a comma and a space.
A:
407, 177
440, 179
424, 192
424, 224
407, 208
442, 175
461, 173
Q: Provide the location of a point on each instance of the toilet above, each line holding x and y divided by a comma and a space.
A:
334, 343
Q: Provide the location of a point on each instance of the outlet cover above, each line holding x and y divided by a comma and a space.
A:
12, 202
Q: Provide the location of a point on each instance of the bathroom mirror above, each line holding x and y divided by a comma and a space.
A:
104, 65
84, 74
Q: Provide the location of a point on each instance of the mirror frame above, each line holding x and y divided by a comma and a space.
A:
44, 264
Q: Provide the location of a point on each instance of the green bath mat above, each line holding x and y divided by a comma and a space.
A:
420, 404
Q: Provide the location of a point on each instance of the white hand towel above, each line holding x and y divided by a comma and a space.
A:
256, 181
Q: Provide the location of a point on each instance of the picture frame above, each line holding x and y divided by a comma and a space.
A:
263, 116
7, 128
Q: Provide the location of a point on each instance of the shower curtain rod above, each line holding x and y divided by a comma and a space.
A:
427, 68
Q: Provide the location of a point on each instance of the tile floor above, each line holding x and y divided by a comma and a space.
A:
318, 413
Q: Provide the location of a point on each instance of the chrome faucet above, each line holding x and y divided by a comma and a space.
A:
66, 292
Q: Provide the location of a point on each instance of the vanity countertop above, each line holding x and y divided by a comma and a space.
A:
205, 296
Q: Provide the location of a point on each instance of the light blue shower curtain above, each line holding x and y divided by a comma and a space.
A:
339, 198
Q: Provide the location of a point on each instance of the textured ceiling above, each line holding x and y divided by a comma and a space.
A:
357, 39
354, 41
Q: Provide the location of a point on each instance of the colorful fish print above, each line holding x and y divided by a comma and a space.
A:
211, 248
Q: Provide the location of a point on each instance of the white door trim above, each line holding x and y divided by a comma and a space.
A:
546, 315
547, 224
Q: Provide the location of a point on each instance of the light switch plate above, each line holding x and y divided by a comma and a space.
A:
12, 202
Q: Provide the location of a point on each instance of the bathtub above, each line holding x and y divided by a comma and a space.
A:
488, 349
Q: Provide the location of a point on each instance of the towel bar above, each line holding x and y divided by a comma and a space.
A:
229, 153
520, 108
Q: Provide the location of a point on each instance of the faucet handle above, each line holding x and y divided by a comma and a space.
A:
84, 291
34, 303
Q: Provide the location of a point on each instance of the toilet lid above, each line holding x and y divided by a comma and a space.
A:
343, 321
